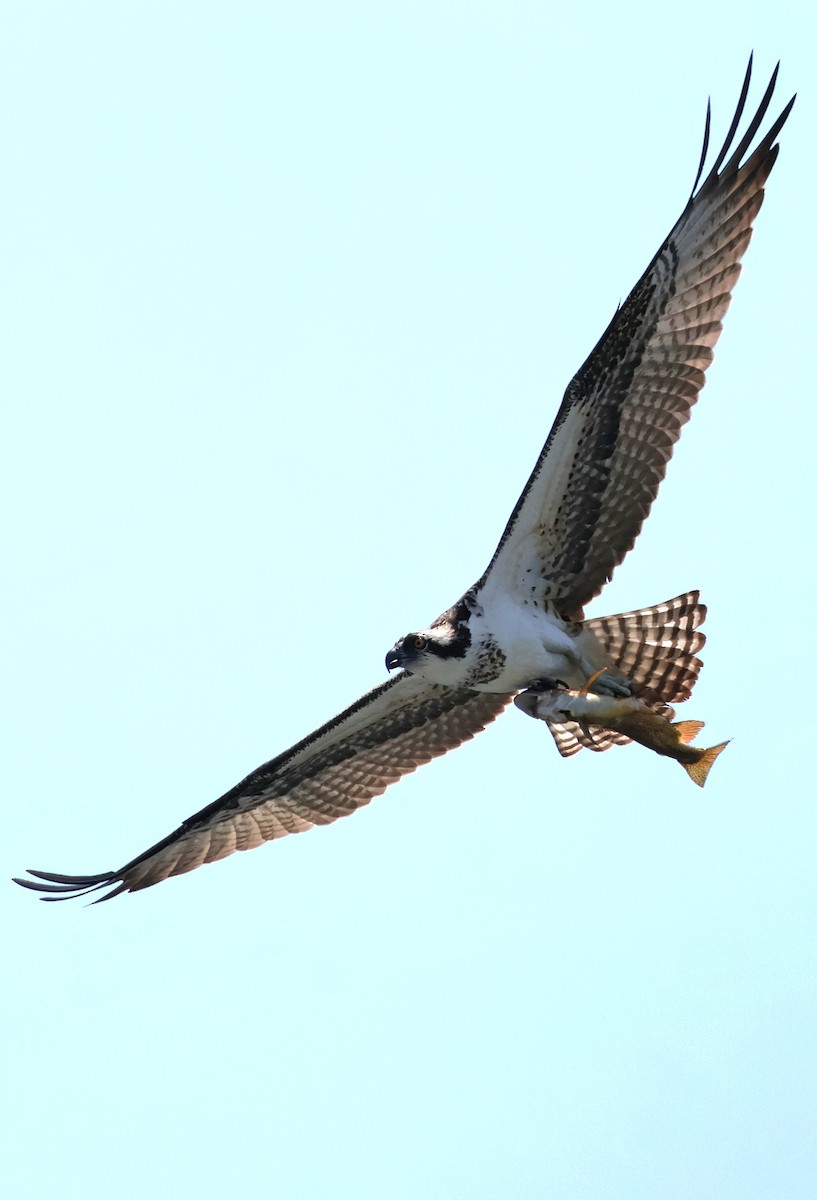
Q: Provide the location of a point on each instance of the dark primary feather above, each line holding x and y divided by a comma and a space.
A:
600, 469
386, 734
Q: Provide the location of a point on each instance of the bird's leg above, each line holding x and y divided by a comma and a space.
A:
588, 683
605, 682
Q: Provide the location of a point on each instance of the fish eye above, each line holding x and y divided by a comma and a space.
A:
418, 642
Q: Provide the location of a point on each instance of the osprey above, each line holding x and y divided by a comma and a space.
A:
523, 622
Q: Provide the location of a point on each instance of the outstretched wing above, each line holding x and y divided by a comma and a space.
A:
600, 469
388, 733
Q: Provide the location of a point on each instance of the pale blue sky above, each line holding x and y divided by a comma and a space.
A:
290, 300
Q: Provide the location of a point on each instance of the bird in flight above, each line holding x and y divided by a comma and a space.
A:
521, 627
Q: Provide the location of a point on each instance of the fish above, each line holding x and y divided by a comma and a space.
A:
627, 715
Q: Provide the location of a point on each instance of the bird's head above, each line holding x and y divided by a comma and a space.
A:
435, 653
410, 652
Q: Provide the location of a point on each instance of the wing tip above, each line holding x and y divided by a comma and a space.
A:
767, 147
55, 886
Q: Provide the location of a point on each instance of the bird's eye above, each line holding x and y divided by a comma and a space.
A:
419, 642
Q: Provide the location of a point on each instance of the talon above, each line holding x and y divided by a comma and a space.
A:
546, 684
589, 682
608, 684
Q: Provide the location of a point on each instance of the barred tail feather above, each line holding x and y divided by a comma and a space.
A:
656, 648
570, 737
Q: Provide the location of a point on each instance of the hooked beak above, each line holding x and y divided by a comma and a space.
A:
394, 659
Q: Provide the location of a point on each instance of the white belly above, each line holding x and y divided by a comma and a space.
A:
536, 645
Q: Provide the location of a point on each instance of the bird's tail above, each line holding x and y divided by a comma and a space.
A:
654, 647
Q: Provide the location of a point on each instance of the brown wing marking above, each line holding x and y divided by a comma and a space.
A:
607, 453
386, 734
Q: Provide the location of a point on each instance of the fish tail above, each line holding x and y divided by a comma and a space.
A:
698, 770
687, 730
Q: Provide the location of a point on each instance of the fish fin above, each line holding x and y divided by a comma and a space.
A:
699, 770
687, 730
587, 731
